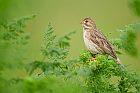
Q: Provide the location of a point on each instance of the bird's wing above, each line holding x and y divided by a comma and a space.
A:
100, 40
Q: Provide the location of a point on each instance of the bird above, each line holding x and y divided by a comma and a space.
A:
95, 41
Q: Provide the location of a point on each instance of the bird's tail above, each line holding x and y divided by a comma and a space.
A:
119, 62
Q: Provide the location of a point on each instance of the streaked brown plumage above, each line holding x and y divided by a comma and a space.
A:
95, 40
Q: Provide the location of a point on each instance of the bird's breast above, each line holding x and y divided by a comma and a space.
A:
92, 47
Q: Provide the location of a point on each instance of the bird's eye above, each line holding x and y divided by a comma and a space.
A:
86, 21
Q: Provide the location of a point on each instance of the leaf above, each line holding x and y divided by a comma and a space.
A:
127, 39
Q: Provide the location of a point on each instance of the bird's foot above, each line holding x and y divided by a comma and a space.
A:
93, 59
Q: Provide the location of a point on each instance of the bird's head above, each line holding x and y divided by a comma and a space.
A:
88, 23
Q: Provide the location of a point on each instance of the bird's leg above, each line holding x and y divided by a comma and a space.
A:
93, 57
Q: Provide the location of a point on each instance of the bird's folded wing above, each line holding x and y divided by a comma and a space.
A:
100, 40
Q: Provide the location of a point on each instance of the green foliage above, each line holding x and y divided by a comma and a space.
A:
127, 39
51, 84
54, 53
13, 31
13, 38
106, 76
53, 49
12, 46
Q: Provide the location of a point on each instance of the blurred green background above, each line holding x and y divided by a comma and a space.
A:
66, 15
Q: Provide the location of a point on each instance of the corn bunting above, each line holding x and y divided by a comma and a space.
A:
96, 41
